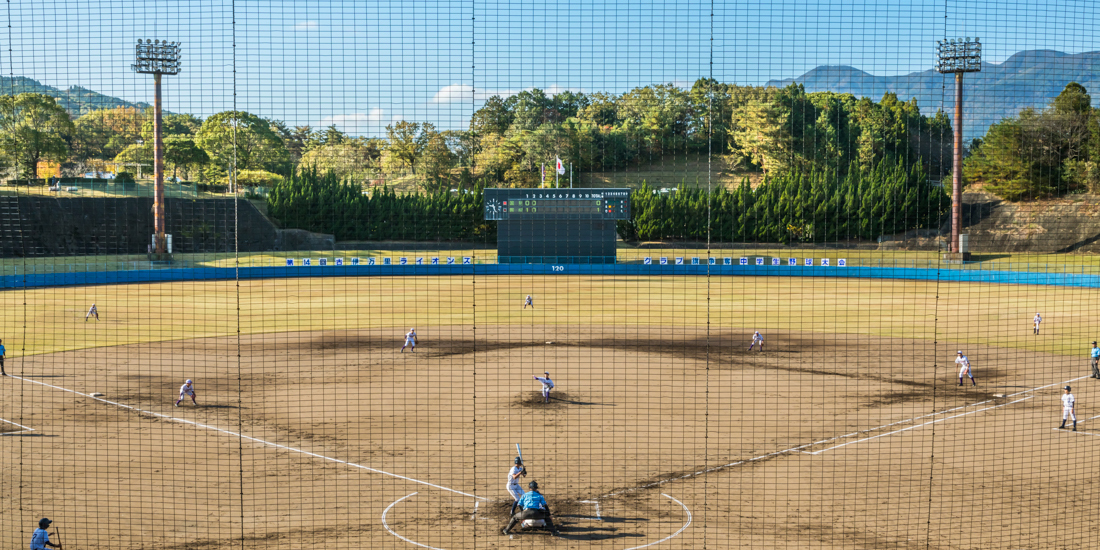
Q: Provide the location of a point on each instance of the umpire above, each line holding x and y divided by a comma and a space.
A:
532, 506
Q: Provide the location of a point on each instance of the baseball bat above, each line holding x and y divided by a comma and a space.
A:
57, 531
519, 452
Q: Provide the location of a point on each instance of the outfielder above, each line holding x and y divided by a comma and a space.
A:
964, 368
528, 302
1037, 320
92, 311
1069, 409
189, 390
757, 339
1095, 360
513, 482
547, 385
532, 506
410, 339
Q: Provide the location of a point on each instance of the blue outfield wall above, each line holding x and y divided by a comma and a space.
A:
228, 273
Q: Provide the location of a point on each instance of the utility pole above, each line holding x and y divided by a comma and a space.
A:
958, 57
157, 58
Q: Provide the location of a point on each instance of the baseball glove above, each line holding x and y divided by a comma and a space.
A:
524, 472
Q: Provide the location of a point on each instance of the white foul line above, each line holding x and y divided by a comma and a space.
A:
25, 429
254, 439
919, 425
686, 511
392, 532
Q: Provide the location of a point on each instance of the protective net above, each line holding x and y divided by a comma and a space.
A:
328, 274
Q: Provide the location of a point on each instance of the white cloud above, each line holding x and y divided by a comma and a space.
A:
305, 26
457, 93
353, 123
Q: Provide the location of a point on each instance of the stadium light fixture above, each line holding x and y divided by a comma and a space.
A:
958, 57
157, 57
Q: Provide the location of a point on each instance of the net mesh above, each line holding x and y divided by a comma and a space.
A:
316, 344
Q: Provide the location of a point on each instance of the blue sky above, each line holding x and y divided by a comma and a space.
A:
362, 65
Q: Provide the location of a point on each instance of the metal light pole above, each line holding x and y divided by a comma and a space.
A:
958, 56
157, 57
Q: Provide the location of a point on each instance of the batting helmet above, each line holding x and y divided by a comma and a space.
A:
1068, 388
44, 523
519, 460
534, 485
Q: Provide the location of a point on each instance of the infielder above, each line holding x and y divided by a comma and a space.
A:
757, 339
1095, 360
1069, 409
528, 302
2, 373
513, 482
532, 506
189, 390
1037, 320
41, 539
410, 339
92, 311
964, 368
547, 385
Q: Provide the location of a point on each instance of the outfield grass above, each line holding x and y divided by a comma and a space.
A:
44, 320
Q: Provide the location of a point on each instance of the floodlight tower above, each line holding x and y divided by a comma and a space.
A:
958, 56
157, 57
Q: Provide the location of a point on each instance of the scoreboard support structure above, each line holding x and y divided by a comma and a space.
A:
556, 226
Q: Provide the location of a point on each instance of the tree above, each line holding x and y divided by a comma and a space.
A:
242, 140
33, 128
348, 161
407, 140
104, 133
492, 118
435, 162
182, 152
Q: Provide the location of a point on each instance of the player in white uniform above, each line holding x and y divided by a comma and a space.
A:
757, 338
512, 485
964, 368
410, 338
1069, 409
528, 302
547, 385
187, 389
1037, 320
92, 312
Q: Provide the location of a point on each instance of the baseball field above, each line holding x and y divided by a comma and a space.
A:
312, 429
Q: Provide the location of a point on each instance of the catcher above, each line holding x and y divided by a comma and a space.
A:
533, 512
513, 482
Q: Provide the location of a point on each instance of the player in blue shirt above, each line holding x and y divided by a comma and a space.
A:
2, 373
1095, 360
41, 539
532, 506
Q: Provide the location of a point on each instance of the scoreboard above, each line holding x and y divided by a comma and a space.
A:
557, 204
556, 225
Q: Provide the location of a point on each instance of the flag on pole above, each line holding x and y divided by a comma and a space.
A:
543, 174
561, 167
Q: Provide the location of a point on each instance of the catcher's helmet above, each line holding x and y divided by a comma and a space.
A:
44, 523
519, 460
534, 485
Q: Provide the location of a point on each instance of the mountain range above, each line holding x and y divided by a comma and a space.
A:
1027, 79
75, 100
